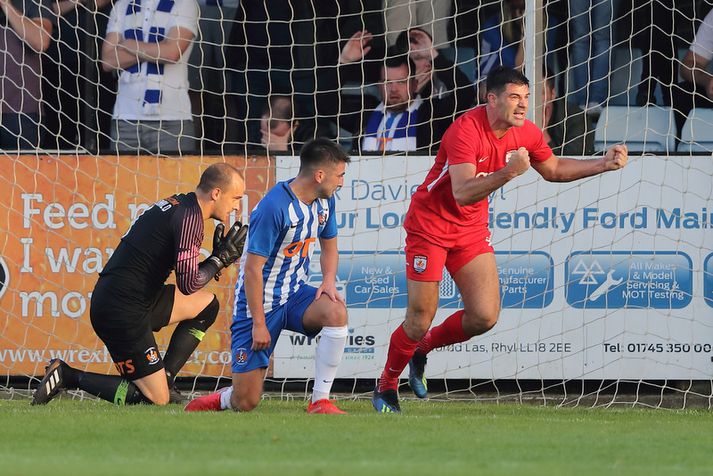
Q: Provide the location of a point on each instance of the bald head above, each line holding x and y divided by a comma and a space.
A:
219, 175
220, 191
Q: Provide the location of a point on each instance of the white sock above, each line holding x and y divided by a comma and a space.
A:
326, 361
225, 398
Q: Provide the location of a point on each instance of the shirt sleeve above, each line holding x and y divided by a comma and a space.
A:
187, 15
114, 24
265, 229
703, 43
188, 229
461, 144
330, 228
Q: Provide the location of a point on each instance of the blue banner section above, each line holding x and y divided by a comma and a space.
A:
373, 279
636, 280
708, 279
526, 279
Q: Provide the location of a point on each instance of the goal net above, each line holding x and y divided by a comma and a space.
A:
606, 283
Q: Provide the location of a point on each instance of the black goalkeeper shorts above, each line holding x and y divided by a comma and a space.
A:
127, 329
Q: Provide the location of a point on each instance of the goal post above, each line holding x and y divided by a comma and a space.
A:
606, 283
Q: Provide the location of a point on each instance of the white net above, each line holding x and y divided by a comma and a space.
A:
606, 284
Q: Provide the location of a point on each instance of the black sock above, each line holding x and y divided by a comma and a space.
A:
111, 388
186, 337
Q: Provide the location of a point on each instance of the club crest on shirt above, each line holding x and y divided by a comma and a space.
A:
420, 263
322, 217
152, 355
241, 356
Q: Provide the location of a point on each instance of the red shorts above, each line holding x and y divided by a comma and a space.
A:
425, 259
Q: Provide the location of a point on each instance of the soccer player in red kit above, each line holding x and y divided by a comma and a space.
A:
447, 224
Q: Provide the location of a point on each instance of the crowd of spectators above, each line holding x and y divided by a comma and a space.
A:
187, 76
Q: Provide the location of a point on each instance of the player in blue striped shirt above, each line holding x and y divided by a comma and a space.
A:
271, 294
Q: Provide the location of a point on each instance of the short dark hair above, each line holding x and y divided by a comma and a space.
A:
321, 151
217, 176
501, 76
396, 57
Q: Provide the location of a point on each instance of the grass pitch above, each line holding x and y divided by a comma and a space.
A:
69, 437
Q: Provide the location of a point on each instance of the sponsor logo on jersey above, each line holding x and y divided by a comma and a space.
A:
295, 247
241, 356
420, 263
152, 355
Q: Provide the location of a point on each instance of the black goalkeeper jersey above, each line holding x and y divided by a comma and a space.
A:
165, 237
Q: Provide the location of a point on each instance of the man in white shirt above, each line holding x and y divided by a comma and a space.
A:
697, 88
149, 43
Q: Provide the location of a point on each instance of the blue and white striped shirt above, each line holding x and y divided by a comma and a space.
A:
284, 230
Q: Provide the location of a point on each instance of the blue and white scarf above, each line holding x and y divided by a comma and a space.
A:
134, 30
386, 131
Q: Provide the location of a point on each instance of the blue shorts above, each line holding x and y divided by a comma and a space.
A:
288, 316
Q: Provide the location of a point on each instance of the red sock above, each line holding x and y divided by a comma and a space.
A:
449, 332
401, 349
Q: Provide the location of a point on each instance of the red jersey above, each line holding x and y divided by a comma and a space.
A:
469, 140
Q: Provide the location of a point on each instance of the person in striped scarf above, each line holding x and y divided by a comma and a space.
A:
403, 120
148, 42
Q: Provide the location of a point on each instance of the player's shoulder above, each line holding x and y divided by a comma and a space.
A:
469, 121
276, 200
465, 128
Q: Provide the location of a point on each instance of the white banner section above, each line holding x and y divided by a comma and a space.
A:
609, 277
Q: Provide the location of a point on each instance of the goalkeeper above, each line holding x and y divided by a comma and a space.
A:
447, 224
130, 300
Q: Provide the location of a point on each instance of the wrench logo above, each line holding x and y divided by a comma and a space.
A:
604, 287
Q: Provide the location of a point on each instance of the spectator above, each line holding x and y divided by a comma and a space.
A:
68, 71
653, 24
501, 40
208, 71
402, 120
281, 132
26, 33
149, 42
590, 30
276, 47
431, 16
567, 130
436, 75
697, 88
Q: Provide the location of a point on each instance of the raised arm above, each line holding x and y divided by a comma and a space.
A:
559, 169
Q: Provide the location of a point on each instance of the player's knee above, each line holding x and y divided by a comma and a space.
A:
161, 400
244, 403
336, 317
489, 322
415, 329
159, 397
479, 324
